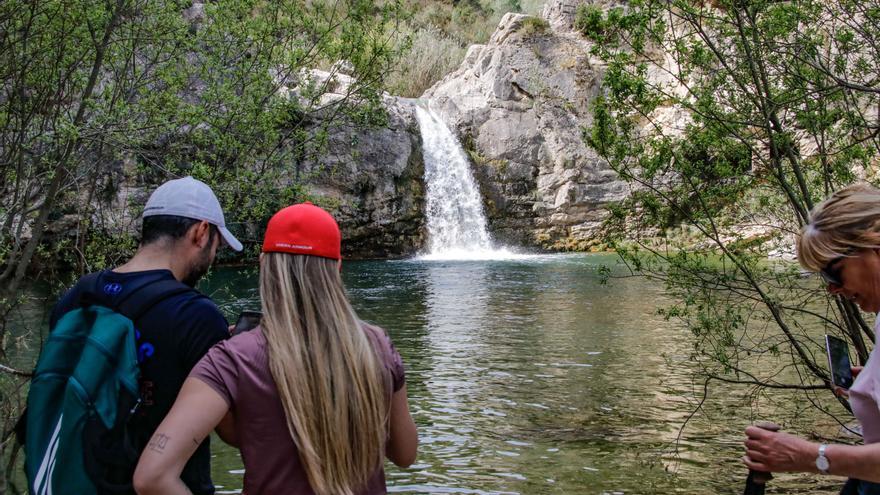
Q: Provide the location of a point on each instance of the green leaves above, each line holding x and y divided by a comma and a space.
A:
230, 95
730, 121
590, 21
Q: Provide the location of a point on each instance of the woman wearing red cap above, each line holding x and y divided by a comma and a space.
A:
314, 397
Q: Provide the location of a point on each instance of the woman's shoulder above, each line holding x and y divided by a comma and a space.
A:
375, 330
387, 353
248, 339
245, 346
378, 336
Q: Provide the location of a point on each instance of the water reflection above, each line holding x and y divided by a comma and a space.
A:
530, 377
518, 377
455, 393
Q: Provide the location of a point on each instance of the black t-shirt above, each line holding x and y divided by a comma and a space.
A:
172, 337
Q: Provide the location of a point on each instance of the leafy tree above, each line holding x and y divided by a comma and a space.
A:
731, 120
96, 94
222, 93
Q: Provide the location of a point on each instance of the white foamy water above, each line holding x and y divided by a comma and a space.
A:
456, 221
463, 254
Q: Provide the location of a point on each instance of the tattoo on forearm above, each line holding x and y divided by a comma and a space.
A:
158, 442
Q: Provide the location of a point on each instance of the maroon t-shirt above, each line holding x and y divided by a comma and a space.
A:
238, 369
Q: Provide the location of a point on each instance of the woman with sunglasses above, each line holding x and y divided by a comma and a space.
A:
842, 244
314, 398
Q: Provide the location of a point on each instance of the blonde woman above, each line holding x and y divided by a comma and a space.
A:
842, 244
314, 398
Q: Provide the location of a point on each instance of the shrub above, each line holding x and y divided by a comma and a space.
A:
532, 26
440, 32
432, 55
590, 21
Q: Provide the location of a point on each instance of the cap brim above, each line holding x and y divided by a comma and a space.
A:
230, 239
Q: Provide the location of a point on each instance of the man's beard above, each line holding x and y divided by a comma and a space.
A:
199, 267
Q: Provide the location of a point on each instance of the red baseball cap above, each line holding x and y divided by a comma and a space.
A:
303, 229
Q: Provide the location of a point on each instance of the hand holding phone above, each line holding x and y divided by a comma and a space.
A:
838, 362
247, 320
856, 370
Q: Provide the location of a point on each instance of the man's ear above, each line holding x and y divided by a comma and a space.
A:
200, 234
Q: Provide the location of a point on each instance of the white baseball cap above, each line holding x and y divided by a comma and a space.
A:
190, 198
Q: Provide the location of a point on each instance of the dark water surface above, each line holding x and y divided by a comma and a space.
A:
531, 377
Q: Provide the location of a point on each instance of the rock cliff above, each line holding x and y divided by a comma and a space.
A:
519, 104
376, 177
370, 178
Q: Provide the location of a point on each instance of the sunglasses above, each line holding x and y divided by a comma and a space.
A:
831, 274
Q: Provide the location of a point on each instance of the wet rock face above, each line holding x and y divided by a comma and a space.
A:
375, 179
519, 104
370, 179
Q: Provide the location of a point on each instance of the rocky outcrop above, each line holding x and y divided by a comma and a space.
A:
374, 181
519, 104
561, 14
370, 178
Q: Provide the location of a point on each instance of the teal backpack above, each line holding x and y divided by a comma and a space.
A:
84, 392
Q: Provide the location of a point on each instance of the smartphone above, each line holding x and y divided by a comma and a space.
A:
247, 320
838, 361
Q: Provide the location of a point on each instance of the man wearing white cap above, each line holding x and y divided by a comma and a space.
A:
183, 226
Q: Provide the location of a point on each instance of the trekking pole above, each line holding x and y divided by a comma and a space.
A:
757, 480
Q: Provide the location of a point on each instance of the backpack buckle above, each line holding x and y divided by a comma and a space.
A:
135, 407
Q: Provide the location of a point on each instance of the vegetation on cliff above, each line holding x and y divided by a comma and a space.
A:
437, 34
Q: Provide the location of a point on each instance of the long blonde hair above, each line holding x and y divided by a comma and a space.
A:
847, 221
334, 391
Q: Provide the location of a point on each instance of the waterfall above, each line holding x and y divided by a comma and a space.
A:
456, 221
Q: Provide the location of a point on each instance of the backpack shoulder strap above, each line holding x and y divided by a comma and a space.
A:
140, 299
144, 298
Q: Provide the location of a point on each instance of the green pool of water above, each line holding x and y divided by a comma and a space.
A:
532, 377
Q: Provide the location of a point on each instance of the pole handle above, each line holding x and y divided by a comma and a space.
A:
762, 477
768, 425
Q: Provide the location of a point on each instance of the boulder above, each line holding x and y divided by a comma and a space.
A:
561, 14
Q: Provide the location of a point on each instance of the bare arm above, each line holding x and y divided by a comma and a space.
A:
855, 461
226, 430
404, 442
779, 452
196, 412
